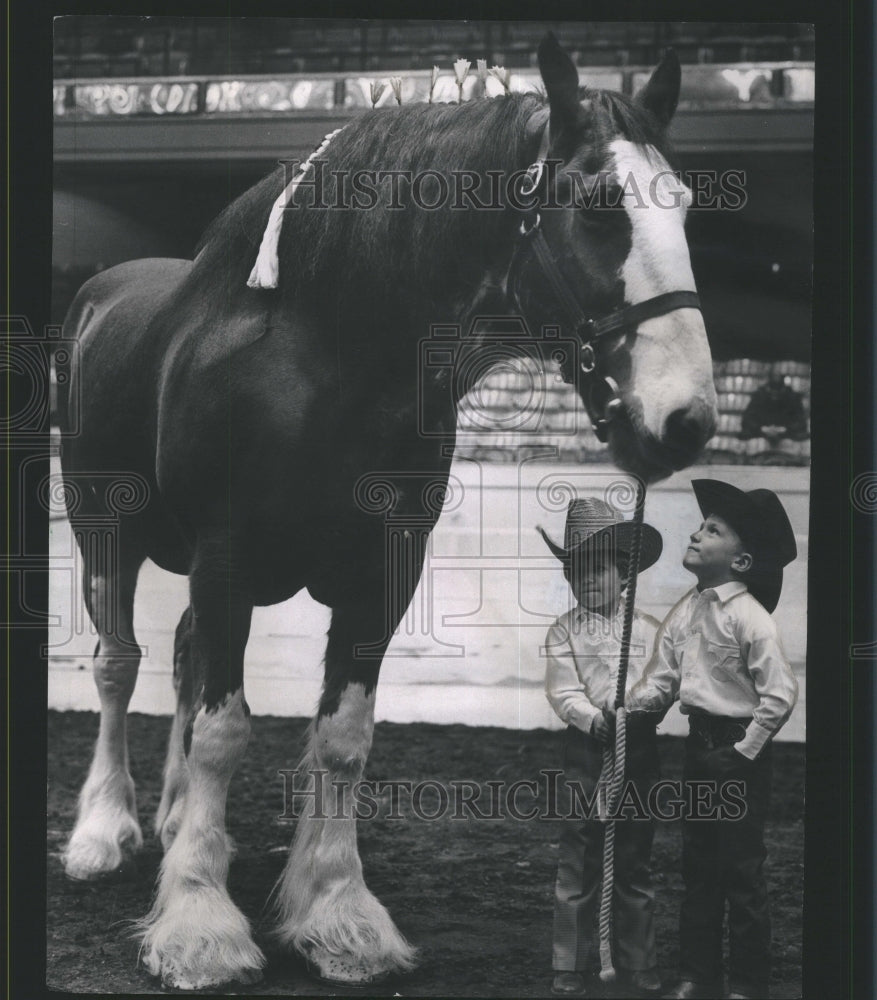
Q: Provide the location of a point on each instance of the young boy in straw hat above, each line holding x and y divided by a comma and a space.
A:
719, 653
582, 649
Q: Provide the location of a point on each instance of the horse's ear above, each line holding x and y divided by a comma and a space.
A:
561, 81
661, 94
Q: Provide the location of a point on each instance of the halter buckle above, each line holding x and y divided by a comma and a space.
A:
534, 176
526, 230
604, 397
588, 358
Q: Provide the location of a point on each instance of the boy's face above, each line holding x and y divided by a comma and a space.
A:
716, 553
595, 580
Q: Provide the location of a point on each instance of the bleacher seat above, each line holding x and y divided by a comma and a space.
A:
104, 46
514, 406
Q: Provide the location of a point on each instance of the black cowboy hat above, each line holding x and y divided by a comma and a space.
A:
761, 521
591, 522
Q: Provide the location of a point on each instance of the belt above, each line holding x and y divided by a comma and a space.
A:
717, 730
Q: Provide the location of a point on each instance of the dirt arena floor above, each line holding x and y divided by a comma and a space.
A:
475, 896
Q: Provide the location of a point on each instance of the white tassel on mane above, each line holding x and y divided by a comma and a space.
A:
266, 269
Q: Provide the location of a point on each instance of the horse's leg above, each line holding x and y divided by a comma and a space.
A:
325, 910
194, 935
176, 769
106, 829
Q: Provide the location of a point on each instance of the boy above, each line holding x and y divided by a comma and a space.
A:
583, 648
718, 652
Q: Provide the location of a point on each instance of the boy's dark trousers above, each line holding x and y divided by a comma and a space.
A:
723, 859
580, 860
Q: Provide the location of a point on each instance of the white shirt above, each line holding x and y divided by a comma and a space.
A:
719, 652
582, 649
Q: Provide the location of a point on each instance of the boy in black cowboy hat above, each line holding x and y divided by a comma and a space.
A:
583, 649
718, 652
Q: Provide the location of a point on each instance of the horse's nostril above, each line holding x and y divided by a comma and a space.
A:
690, 428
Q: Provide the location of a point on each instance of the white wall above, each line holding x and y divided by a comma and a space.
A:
469, 649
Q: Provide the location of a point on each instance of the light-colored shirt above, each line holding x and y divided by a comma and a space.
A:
582, 649
719, 652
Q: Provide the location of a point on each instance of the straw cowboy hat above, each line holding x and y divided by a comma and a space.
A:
760, 520
591, 523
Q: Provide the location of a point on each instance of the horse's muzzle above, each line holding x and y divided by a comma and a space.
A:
686, 432
649, 457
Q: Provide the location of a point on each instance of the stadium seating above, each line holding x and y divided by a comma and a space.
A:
515, 406
92, 46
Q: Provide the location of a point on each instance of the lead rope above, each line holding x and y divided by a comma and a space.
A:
612, 776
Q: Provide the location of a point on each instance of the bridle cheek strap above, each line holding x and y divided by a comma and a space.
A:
587, 328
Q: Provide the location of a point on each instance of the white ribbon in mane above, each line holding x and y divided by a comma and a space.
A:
266, 269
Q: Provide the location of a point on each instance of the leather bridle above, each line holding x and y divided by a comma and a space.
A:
602, 395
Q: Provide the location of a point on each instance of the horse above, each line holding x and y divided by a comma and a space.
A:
256, 422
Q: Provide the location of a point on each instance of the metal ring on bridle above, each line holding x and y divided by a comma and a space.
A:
603, 403
534, 176
588, 359
525, 230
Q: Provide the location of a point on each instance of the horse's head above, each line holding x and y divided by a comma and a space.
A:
604, 257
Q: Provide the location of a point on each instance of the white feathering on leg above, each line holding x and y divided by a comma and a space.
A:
324, 908
195, 936
107, 831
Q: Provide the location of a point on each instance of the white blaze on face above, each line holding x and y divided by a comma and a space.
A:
671, 363
656, 202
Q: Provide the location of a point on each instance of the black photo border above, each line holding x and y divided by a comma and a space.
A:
839, 858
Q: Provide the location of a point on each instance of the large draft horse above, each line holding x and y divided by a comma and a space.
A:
252, 414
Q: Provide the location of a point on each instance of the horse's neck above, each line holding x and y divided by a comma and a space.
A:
418, 261
389, 279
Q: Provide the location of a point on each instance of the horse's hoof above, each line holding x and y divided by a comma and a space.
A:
344, 970
125, 871
84, 871
93, 859
199, 939
174, 979
179, 976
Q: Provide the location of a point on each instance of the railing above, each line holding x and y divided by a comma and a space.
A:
760, 86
